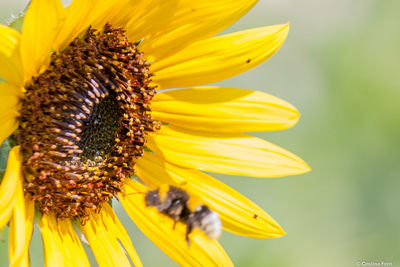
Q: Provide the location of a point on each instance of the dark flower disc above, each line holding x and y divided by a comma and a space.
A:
84, 122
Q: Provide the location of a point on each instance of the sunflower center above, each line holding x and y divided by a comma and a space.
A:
84, 122
100, 128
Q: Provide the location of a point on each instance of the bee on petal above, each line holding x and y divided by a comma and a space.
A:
188, 209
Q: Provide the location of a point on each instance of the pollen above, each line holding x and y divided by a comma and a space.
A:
84, 123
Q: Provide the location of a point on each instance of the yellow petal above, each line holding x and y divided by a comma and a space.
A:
10, 63
82, 14
214, 109
120, 14
21, 227
79, 16
10, 96
9, 124
111, 220
190, 21
160, 229
239, 215
103, 231
10, 101
41, 24
9, 185
219, 58
149, 17
61, 245
222, 153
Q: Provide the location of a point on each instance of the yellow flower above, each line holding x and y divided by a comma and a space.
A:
78, 86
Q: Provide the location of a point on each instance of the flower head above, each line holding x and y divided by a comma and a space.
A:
79, 101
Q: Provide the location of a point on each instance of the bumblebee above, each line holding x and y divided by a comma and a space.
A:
181, 207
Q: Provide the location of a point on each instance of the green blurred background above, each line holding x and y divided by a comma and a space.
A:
341, 67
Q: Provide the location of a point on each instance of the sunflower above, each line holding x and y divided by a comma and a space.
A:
79, 104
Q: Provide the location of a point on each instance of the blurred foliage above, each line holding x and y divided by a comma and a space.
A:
16, 21
340, 67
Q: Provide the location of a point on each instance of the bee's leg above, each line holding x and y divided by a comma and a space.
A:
188, 231
187, 240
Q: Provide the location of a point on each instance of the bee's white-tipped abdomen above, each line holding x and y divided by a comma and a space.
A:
211, 225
